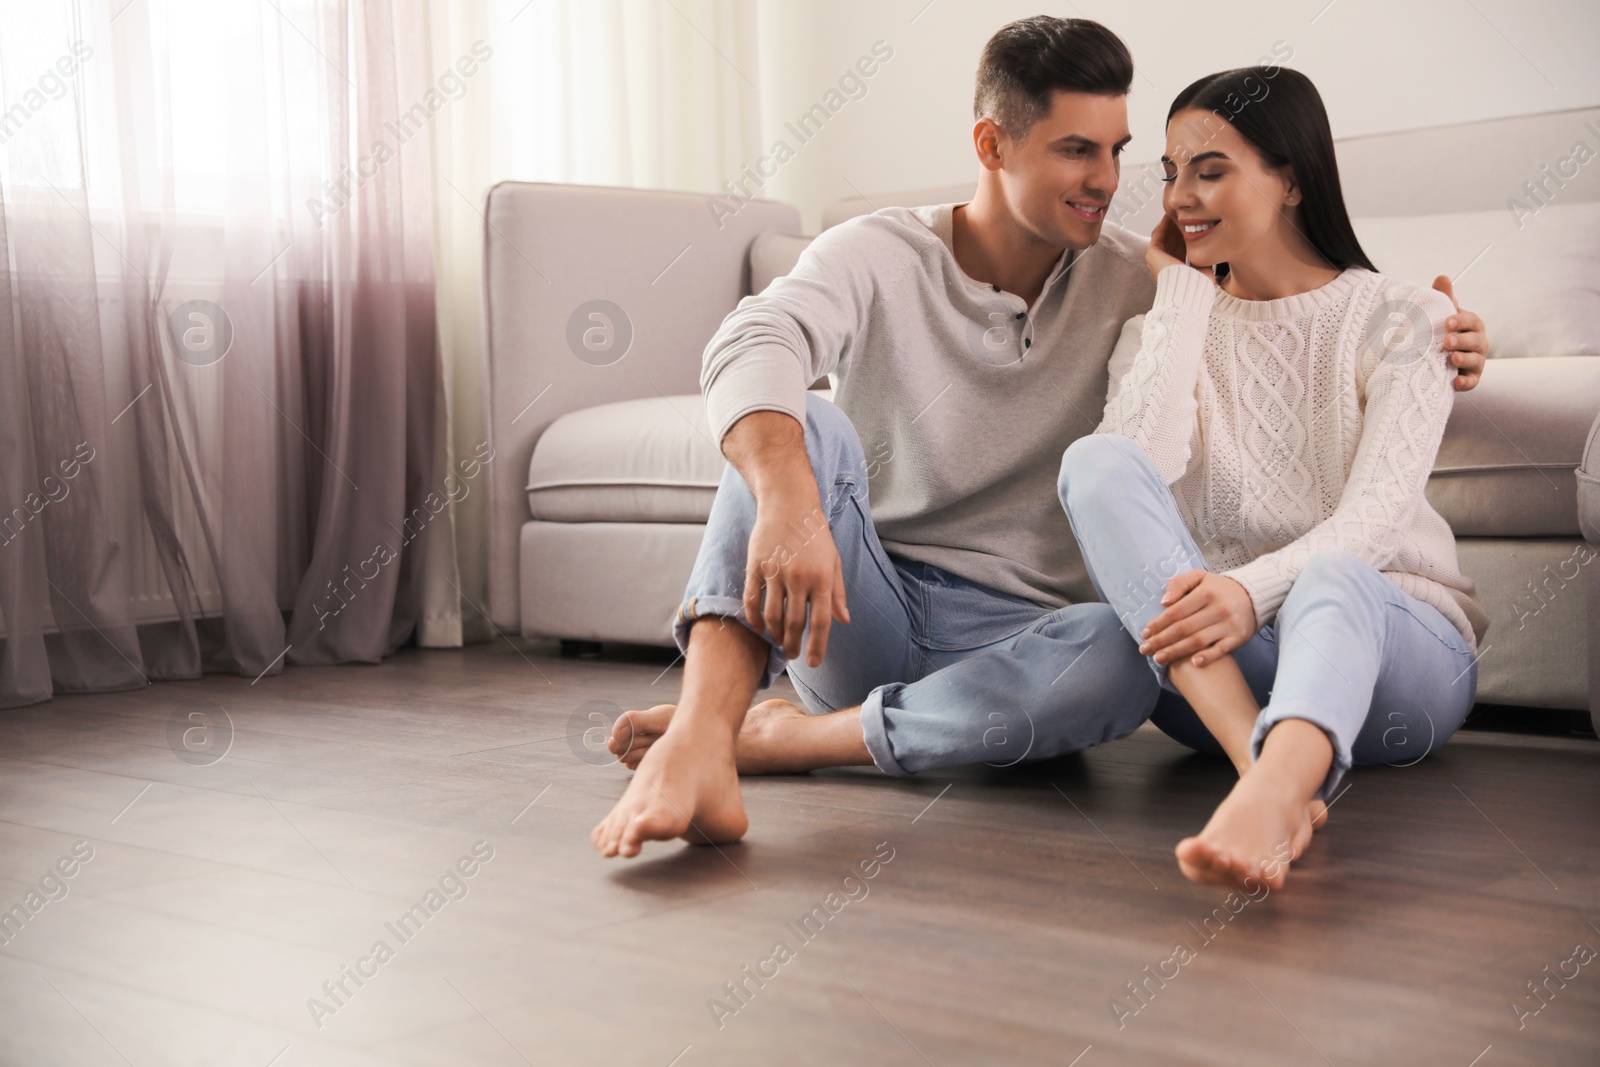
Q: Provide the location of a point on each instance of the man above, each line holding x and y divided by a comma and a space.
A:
970, 345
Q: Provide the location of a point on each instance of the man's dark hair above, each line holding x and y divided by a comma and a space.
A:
1028, 59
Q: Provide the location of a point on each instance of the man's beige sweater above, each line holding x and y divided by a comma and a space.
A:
964, 397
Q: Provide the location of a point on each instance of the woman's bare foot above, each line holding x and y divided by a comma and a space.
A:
1260, 827
1253, 834
1316, 819
777, 738
686, 786
1316, 812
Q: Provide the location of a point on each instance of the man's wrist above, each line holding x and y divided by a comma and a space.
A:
793, 495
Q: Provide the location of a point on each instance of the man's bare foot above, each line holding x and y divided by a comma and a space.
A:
777, 738
1254, 833
635, 731
686, 786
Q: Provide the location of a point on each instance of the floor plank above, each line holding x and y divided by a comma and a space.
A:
1021, 911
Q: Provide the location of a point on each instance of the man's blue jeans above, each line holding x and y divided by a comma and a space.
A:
945, 671
1386, 676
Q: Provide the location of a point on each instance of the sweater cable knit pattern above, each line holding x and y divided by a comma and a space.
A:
1299, 425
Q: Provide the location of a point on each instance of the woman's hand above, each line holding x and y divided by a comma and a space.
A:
1166, 247
1208, 615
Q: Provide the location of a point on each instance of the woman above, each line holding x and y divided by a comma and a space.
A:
1252, 502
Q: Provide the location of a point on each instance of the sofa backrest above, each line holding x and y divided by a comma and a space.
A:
1508, 208
592, 295
1470, 166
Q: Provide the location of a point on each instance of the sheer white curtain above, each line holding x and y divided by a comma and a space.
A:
646, 93
219, 366
315, 170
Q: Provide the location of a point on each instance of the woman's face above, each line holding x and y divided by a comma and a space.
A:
1228, 203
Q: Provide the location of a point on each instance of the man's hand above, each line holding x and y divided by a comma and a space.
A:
794, 563
1208, 615
1467, 343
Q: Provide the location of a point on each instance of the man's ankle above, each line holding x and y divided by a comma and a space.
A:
708, 728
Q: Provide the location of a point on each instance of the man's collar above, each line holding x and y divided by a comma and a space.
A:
940, 218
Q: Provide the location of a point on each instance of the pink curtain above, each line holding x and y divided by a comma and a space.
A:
218, 353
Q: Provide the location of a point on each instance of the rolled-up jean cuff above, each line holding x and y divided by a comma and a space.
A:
875, 734
1273, 714
704, 607
1162, 670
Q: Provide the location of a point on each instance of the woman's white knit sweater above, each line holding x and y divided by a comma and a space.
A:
1294, 426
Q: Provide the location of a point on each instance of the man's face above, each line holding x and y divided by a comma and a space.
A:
1059, 181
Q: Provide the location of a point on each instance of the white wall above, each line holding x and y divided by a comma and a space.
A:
1381, 65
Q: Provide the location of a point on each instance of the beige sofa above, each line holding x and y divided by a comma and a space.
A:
599, 303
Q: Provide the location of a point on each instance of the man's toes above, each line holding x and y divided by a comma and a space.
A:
623, 733
612, 828
655, 823
631, 839
630, 756
613, 846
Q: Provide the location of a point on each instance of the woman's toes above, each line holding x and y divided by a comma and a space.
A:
1317, 812
1200, 862
1302, 838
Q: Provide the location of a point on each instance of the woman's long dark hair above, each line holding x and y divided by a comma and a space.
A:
1280, 112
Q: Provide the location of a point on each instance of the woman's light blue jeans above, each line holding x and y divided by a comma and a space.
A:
1386, 676
946, 671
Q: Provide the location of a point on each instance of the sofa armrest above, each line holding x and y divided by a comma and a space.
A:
1589, 487
668, 270
1589, 522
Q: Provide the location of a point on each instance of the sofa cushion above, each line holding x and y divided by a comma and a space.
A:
1506, 464
649, 460
1534, 276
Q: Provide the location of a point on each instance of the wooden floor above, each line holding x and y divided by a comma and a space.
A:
1007, 913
